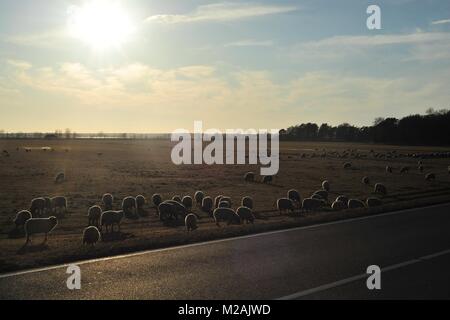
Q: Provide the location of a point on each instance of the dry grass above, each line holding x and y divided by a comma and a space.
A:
144, 167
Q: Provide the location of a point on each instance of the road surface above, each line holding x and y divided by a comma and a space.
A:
412, 247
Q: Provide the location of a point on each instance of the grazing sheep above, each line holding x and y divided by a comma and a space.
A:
21, 218
226, 199
37, 207
343, 199
178, 209
176, 198
94, 214
249, 177
110, 218
388, 169
207, 205
39, 225
419, 163
247, 202
156, 199
365, 180
285, 204
338, 205
310, 204
165, 211
421, 168
107, 200
187, 202
191, 222
322, 193
224, 204
326, 185
59, 204
294, 195
355, 203
404, 169
267, 179
129, 206
60, 177
198, 196
140, 202
380, 188
217, 201
373, 202
227, 215
245, 214
91, 236
430, 176
347, 165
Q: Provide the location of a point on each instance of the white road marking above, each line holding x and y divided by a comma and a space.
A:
345, 281
135, 254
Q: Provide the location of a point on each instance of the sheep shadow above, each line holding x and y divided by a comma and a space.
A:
29, 248
116, 236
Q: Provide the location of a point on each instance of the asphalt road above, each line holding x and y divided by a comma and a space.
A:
412, 248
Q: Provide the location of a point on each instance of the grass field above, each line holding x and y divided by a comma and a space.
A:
132, 167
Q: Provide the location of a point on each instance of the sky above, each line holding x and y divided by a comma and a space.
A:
156, 66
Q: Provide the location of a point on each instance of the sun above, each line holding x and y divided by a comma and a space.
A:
100, 24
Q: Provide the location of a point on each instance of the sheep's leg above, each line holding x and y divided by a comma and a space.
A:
45, 239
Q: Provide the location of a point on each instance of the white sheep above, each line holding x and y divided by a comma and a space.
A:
343, 199
373, 202
94, 214
249, 177
60, 177
207, 205
227, 215
110, 218
380, 188
267, 179
285, 204
338, 205
140, 201
37, 207
39, 225
191, 222
355, 203
326, 185
217, 201
198, 196
107, 200
59, 204
430, 176
294, 195
245, 213
22, 217
310, 204
322, 193
187, 202
129, 206
91, 236
247, 202
176, 198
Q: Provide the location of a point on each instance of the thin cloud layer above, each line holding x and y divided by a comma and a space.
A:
225, 11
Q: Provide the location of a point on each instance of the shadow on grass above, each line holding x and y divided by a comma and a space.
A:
30, 248
116, 236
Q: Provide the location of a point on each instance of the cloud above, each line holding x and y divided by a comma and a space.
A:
440, 21
420, 46
49, 39
250, 43
225, 11
173, 98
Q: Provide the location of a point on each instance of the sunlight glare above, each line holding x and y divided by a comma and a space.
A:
100, 24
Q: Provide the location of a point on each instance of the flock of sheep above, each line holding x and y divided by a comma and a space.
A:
102, 218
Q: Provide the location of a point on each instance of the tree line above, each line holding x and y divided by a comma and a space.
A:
432, 128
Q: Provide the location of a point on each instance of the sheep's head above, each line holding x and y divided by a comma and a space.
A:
53, 222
